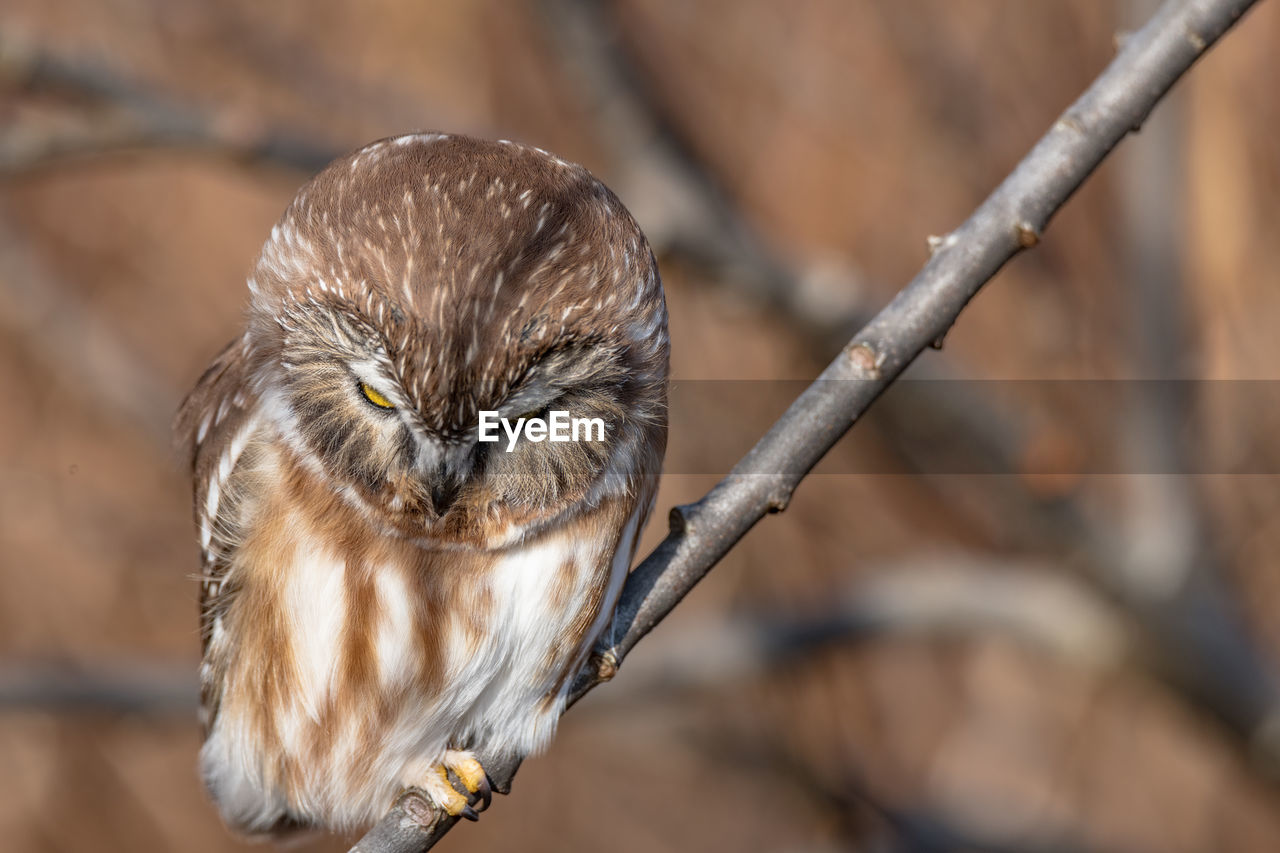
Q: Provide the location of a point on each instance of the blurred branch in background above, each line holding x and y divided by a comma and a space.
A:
953, 596
48, 321
1166, 568
1165, 535
685, 211
902, 829
115, 114
132, 687
1011, 219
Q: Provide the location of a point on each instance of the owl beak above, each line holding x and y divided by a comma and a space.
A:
444, 492
444, 469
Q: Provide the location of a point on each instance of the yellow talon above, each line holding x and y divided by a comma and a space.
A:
457, 785
469, 772
450, 800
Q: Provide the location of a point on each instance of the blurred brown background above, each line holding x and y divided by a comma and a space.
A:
1056, 654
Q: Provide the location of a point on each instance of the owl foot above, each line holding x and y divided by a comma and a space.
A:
463, 769
458, 785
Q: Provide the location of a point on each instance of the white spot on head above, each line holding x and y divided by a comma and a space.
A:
409, 138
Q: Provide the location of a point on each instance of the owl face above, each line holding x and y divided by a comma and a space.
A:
381, 331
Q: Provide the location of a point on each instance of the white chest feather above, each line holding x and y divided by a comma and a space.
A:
502, 639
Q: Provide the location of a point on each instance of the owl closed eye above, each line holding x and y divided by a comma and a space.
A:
385, 594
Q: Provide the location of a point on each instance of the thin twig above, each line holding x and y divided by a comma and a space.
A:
1010, 220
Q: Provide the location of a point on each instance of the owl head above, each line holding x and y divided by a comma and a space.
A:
427, 278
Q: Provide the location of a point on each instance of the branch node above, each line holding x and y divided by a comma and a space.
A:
1196, 40
418, 810
1069, 124
605, 663
937, 244
864, 361
779, 500
1028, 236
678, 520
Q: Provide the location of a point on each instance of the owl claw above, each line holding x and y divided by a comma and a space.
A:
485, 793
468, 778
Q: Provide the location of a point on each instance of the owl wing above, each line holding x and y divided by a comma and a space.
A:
213, 426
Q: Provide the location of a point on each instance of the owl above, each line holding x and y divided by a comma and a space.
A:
385, 596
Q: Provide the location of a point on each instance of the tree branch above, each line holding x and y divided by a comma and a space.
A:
1011, 219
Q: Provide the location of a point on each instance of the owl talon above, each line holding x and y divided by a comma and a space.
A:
467, 777
446, 797
482, 796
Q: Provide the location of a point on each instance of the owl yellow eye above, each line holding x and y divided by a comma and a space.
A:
374, 397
